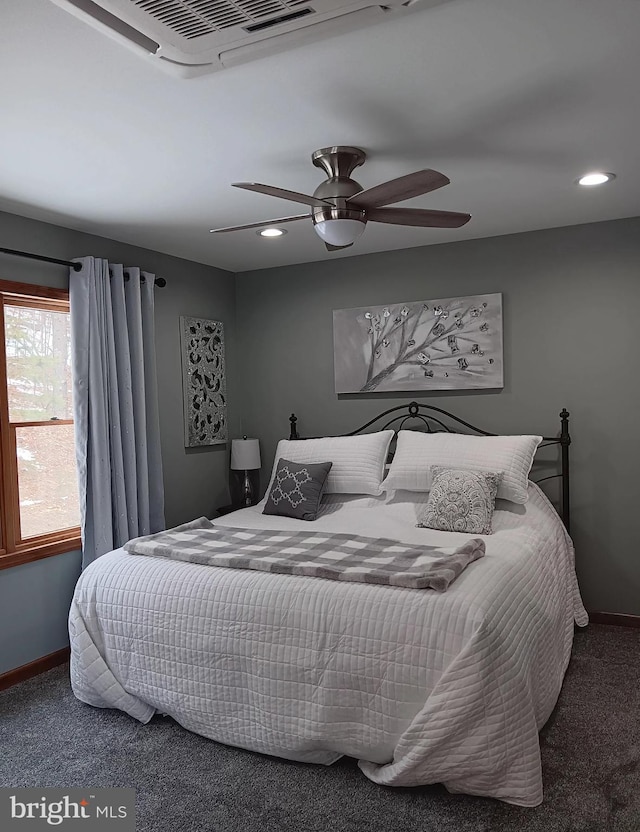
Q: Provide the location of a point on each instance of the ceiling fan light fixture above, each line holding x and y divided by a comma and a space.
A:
596, 177
271, 232
339, 232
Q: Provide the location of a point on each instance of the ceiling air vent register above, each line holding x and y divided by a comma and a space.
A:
195, 19
194, 37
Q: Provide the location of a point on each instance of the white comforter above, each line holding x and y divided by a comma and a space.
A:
421, 687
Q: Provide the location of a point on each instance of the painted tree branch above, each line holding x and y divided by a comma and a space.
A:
408, 351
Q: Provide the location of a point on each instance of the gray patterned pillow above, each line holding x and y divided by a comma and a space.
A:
297, 489
461, 501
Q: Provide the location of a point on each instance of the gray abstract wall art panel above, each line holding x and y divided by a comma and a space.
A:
443, 344
204, 382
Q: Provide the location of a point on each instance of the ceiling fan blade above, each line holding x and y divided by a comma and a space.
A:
282, 193
329, 247
418, 216
397, 190
261, 224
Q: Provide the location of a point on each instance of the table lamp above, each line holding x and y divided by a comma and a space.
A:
245, 456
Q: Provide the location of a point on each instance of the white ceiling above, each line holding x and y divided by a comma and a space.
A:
512, 99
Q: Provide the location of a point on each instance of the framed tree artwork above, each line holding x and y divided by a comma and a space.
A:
204, 382
443, 344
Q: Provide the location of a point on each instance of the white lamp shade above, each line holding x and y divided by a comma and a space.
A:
339, 232
245, 454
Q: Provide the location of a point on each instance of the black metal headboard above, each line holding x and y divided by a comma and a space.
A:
426, 413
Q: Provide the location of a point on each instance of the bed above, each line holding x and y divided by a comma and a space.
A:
419, 686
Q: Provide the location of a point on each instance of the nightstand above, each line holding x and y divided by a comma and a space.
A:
228, 509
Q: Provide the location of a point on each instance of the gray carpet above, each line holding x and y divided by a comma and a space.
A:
185, 783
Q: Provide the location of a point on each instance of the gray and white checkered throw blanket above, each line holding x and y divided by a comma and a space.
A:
340, 557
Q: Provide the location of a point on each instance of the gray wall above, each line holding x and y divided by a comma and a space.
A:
34, 598
571, 308
34, 607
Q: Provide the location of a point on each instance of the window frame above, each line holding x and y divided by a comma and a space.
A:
13, 550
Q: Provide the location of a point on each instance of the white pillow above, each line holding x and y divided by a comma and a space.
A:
358, 461
416, 452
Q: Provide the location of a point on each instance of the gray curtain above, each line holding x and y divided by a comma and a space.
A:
115, 404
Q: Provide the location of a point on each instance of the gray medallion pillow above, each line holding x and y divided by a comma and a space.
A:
461, 501
297, 489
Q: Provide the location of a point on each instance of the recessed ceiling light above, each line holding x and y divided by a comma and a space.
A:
595, 178
271, 232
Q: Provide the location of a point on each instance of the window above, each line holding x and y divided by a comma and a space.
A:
39, 511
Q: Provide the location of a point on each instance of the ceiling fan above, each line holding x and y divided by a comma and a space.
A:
341, 208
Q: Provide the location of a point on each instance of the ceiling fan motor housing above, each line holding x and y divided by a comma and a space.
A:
338, 162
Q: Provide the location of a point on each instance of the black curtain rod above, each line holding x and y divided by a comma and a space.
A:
160, 281
75, 266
